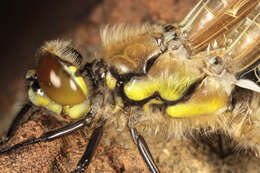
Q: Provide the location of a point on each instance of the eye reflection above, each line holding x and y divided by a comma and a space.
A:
55, 80
73, 85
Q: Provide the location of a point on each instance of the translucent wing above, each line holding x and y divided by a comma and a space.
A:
210, 18
233, 34
242, 43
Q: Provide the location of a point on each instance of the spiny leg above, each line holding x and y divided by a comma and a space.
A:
218, 144
15, 122
90, 149
144, 150
48, 136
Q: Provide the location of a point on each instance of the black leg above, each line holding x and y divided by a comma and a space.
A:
144, 150
15, 122
90, 150
222, 153
218, 144
53, 134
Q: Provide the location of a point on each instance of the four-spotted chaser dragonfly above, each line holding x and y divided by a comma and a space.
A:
162, 81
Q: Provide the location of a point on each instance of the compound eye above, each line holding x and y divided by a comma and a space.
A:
59, 82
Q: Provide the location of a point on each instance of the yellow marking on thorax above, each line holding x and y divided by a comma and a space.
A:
170, 89
195, 109
208, 98
110, 81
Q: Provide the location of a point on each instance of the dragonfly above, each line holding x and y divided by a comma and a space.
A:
157, 80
